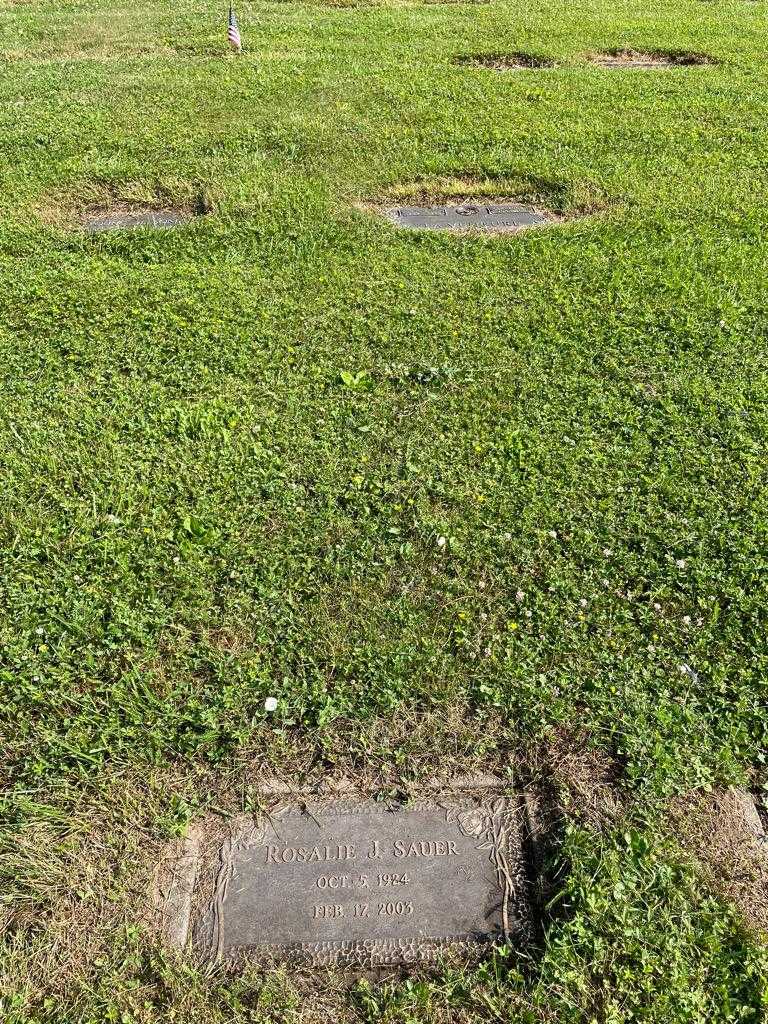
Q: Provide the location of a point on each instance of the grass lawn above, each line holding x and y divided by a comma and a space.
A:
458, 502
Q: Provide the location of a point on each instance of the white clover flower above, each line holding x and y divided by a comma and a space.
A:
582, 602
687, 620
553, 533
442, 541
507, 536
656, 606
520, 596
680, 563
528, 613
270, 704
607, 552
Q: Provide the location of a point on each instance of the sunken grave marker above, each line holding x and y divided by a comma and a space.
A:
97, 222
476, 215
517, 61
630, 60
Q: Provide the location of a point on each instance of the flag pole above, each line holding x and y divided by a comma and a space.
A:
233, 31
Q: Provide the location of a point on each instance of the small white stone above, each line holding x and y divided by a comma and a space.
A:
270, 704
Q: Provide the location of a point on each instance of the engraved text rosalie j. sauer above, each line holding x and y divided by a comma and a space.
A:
348, 851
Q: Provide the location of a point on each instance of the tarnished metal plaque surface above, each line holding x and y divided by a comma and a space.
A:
124, 220
367, 884
485, 217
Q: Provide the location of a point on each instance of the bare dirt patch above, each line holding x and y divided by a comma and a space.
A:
504, 61
640, 60
587, 780
724, 831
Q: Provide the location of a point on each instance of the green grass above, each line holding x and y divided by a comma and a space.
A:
292, 452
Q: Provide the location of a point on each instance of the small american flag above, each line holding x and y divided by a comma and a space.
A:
233, 32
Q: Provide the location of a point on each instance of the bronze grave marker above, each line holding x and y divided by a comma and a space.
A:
479, 216
341, 882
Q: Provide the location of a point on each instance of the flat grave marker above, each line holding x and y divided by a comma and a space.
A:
360, 883
126, 220
461, 217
